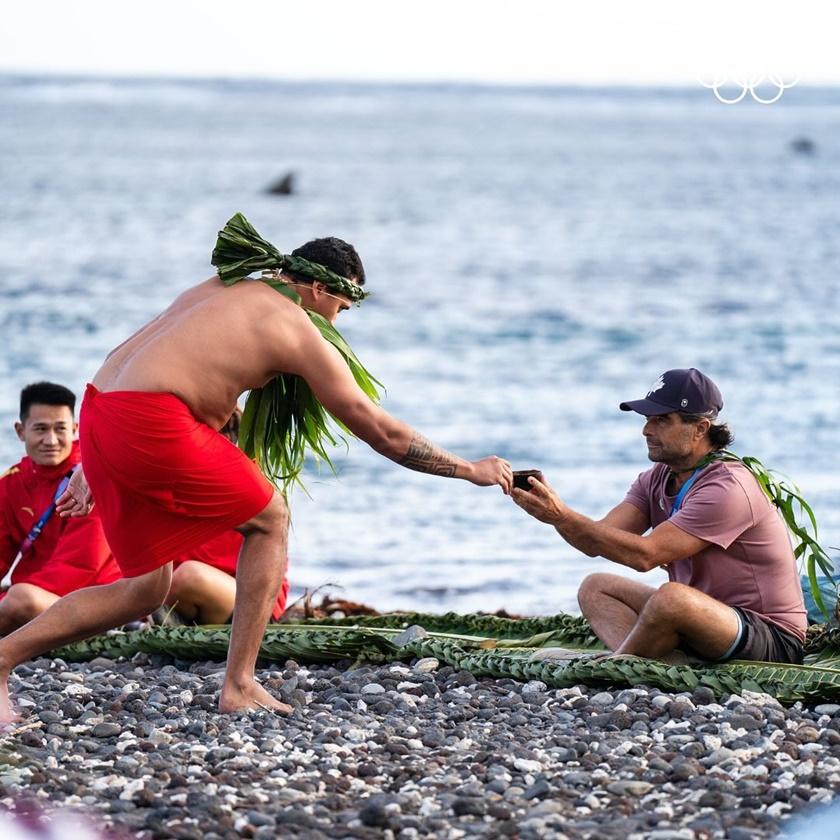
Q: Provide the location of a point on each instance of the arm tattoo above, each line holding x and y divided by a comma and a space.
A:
424, 456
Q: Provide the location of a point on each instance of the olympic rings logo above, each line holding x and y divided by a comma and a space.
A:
749, 85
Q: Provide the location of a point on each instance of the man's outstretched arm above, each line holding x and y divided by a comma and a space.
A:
665, 544
424, 456
333, 384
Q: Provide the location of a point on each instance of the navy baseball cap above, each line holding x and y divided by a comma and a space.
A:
686, 390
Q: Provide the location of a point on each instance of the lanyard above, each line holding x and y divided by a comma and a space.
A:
39, 525
683, 490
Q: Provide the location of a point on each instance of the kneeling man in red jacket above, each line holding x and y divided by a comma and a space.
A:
42, 555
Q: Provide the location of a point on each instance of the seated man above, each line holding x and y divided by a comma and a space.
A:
47, 555
203, 588
733, 589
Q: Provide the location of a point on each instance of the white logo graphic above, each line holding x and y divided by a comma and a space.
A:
764, 88
683, 403
657, 386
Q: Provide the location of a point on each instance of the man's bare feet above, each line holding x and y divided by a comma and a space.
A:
675, 657
7, 713
250, 696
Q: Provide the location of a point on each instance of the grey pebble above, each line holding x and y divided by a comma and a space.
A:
106, 730
742, 721
739, 833
373, 813
498, 811
259, 818
539, 790
629, 787
409, 635
469, 806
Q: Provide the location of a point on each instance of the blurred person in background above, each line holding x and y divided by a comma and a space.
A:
42, 555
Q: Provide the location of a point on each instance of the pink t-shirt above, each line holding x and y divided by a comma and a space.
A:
749, 562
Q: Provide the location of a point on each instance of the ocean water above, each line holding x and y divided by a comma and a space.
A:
535, 256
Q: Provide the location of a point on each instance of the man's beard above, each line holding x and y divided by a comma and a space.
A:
664, 456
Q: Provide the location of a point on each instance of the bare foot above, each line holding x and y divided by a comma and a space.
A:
675, 657
251, 696
7, 713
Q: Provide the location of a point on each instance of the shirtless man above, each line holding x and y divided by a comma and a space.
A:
164, 480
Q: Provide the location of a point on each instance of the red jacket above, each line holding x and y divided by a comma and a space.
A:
222, 553
70, 553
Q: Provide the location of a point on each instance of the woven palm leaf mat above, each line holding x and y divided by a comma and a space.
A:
488, 646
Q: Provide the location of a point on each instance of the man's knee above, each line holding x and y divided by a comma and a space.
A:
23, 602
148, 591
593, 585
273, 518
188, 577
588, 588
669, 602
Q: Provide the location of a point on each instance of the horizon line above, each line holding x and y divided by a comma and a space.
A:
591, 84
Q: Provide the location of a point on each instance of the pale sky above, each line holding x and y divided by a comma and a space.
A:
511, 41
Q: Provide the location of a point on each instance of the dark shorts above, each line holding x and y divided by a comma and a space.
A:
763, 641
759, 640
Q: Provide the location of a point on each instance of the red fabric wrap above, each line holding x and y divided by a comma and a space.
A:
164, 483
221, 553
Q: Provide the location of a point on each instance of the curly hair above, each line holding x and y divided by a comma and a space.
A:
720, 435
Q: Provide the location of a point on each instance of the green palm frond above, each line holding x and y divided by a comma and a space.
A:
799, 518
283, 421
502, 652
240, 251
822, 645
572, 630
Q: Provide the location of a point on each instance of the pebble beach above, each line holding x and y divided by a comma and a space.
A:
407, 751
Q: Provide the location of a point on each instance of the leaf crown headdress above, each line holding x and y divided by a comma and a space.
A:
284, 420
240, 250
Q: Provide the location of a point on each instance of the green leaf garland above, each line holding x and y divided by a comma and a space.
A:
283, 420
798, 516
240, 251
